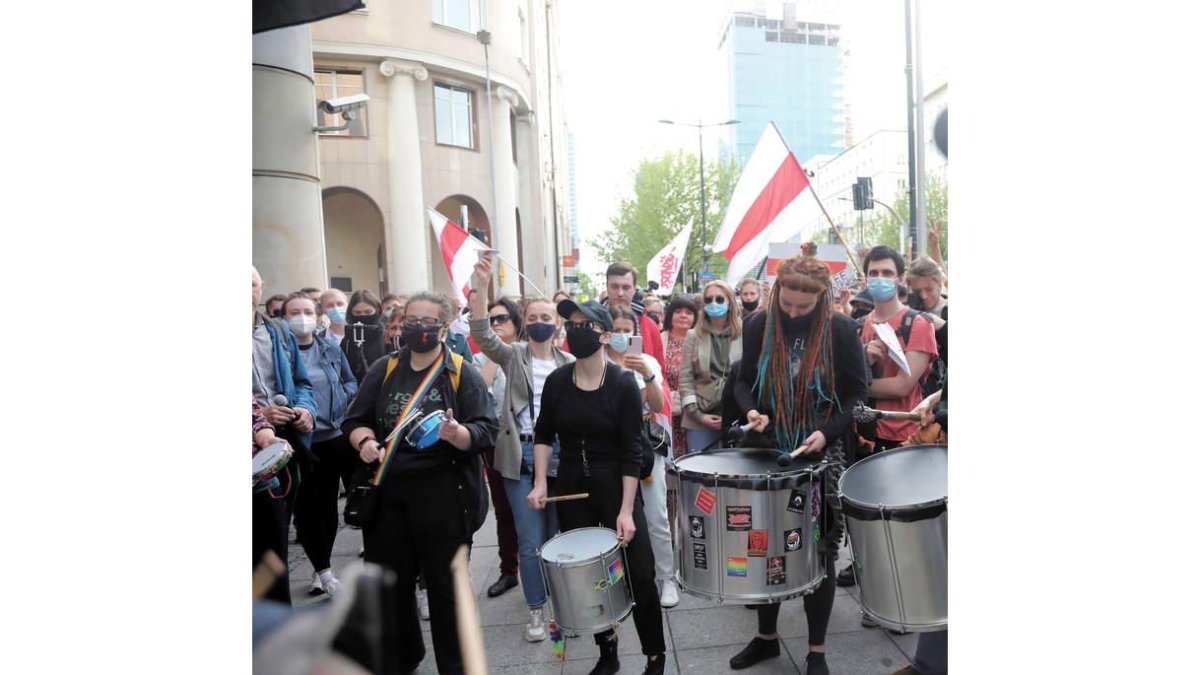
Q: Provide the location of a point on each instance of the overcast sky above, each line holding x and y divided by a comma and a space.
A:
629, 63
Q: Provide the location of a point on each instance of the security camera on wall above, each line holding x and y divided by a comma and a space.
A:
345, 104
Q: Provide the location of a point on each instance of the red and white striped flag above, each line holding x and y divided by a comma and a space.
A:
665, 265
766, 205
459, 252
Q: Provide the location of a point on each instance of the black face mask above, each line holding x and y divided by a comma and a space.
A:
797, 325
750, 305
421, 339
859, 313
366, 319
583, 342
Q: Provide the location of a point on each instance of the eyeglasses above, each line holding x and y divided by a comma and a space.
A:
499, 318
427, 322
719, 299
587, 325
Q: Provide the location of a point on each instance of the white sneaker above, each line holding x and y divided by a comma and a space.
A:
535, 630
669, 597
423, 603
332, 586
315, 588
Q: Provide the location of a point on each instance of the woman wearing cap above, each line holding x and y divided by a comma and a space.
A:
802, 373
594, 409
710, 348
525, 367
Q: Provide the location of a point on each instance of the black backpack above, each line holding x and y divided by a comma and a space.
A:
936, 377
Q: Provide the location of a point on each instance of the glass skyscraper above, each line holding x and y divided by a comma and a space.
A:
789, 71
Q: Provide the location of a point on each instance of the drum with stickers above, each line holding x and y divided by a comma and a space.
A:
895, 508
748, 529
585, 576
268, 462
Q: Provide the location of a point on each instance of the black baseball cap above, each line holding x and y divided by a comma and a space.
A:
863, 298
591, 309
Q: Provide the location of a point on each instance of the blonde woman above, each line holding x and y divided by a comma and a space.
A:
708, 351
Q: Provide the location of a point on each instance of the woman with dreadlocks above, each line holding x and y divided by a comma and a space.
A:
802, 372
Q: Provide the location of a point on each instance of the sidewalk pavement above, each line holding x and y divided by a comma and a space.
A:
701, 635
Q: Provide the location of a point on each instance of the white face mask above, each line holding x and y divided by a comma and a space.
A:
303, 324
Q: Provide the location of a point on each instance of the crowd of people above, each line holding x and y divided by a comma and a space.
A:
424, 402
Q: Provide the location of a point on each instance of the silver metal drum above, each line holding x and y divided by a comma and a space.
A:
895, 509
748, 529
587, 579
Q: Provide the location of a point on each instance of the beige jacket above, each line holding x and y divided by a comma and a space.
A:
698, 385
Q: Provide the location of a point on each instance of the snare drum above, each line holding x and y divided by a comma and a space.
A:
895, 509
748, 529
424, 431
268, 462
587, 579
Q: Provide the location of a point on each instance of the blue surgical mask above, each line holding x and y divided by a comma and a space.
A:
716, 310
336, 314
540, 332
881, 288
619, 342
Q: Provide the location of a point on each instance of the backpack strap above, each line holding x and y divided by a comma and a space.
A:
455, 375
906, 326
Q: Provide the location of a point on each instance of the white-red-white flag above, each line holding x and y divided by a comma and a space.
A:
665, 265
766, 205
459, 252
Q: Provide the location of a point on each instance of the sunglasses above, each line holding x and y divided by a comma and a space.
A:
589, 325
428, 322
719, 299
499, 318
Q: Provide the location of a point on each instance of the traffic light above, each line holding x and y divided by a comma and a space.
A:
864, 190
858, 196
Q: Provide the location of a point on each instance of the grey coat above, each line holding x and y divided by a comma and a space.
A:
516, 361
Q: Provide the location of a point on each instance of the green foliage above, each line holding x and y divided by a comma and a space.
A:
881, 227
587, 287
666, 197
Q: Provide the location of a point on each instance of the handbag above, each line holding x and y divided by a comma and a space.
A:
654, 441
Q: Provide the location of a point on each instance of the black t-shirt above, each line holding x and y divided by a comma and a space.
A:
849, 370
607, 422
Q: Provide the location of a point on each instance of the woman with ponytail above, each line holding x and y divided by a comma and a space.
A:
803, 370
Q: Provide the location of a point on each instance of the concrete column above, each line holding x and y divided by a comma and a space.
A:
529, 186
409, 232
288, 230
504, 216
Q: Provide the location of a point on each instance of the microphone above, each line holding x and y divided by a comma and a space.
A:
862, 413
281, 400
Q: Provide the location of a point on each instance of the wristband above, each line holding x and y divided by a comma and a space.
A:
360, 443
650, 379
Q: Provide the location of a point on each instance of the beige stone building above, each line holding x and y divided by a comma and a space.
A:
430, 137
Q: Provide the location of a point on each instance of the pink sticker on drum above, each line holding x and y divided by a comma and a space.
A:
816, 501
738, 518
706, 501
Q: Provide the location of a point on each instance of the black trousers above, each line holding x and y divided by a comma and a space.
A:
270, 517
317, 501
601, 508
419, 526
818, 607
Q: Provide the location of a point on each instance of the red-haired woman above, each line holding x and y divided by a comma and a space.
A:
803, 370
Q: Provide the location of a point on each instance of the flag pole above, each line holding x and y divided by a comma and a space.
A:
850, 254
514, 268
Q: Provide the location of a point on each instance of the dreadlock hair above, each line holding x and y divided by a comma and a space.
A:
797, 402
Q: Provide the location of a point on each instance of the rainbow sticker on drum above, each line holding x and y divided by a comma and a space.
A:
735, 567
616, 571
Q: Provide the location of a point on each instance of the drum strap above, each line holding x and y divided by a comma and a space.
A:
413, 403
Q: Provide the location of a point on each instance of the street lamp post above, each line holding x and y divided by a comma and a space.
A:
895, 215
703, 198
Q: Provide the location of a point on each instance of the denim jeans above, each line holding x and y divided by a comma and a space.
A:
932, 648
699, 439
534, 528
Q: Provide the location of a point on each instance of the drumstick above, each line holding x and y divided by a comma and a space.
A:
269, 569
862, 413
786, 460
470, 635
562, 498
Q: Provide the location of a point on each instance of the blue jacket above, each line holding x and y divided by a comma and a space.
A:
291, 377
337, 370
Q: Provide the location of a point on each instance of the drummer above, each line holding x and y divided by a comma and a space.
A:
595, 410
802, 372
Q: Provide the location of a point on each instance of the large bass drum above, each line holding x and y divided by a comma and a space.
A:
748, 529
895, 509
586, 578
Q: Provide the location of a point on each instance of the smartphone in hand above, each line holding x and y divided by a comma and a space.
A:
635, 345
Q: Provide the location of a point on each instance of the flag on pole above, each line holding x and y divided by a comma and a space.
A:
665, 265
459, 252
766, 205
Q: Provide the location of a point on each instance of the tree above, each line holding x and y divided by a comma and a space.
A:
881, 228
587, 288
666, 197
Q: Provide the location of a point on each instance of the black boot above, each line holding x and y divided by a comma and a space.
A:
758, 650
846, 577
815, 664
656, 666
608, 663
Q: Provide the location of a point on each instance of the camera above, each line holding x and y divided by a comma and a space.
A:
345, 105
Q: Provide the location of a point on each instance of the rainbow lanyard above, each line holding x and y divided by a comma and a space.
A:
389, 450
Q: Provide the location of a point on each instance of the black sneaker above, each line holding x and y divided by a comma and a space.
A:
758, 650
501, 586
608, 663
656, 666
846, 577
815, 664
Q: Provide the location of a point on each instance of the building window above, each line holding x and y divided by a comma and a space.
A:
460, 14
452, 113
337, 83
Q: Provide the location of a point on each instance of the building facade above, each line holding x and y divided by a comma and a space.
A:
432, 137
881, 156
785, 64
